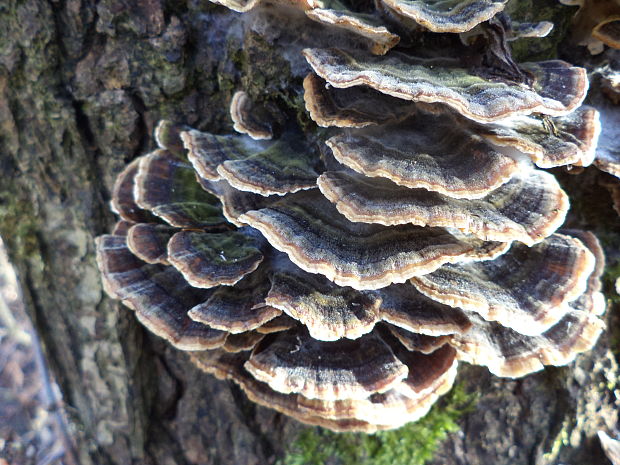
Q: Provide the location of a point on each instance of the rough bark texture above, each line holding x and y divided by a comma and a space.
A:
82, 84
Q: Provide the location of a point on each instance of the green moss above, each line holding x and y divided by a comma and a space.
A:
237, 57
536, 49
266, 76
612, 273
226, 76
413, 444
561, 440
18, 226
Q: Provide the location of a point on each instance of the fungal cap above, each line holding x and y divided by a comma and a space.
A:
354, 107
328, 311
168, 136
558, 88
166, 186
364, 25
212, 259
148, 242
309, 229
239, 308
123, 201
242, 112
509, 289
293, 362
509, 354
159, 295
393, 407
527, 208
551, 142
426, 152
242, 342
447, 16
608, 31
273, 168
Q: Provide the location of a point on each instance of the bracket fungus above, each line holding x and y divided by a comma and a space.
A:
447, 16
558, 90
596, 24
341, 277
248, 119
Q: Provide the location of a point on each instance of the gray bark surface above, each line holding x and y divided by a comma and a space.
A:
82, 85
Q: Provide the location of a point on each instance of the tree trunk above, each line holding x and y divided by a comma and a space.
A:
82, 85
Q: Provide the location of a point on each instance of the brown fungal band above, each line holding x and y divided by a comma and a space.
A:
167, 135
235, 202
339, 276
418, 342
288, 366
365, 25
165, 186
242, 342
527, 208
522, 30
447, 16
354, 107
404, 306
331, 312
608, 32
426, 151
277, 168
408, 401
571, 139
238, 308
526, 289
159, 295
208, 259
507, 353
309, 229
555, 141
123, 201
558, 87
246, 121
148, 242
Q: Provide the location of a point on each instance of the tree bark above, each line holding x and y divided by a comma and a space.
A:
82, 85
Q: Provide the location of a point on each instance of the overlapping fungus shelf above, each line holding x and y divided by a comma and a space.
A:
340, 275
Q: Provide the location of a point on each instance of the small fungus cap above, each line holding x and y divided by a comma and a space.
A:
447, 15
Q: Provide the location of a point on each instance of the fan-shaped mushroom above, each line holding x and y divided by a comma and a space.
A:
349, 305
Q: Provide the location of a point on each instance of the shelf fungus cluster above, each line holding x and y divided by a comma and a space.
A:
341, 282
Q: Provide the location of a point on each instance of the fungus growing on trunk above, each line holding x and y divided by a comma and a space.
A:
339, 277
249, 118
